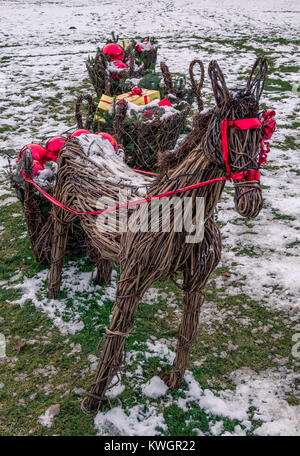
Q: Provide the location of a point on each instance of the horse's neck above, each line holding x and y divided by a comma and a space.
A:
195, 168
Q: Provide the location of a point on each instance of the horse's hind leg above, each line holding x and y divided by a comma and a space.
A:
111, 358
104, 267
134, 281
104, 270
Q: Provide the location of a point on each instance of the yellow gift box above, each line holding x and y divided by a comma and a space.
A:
137, 96
124, 44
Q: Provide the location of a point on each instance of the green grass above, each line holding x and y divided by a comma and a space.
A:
24, 324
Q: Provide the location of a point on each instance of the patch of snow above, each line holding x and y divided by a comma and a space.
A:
47, 418
137, 422
154, 388
8, 201
266, 392
116, 389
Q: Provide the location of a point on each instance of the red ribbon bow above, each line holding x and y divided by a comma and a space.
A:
135, 91
149, 114
269, 125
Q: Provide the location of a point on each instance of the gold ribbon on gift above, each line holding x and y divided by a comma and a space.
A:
137, 96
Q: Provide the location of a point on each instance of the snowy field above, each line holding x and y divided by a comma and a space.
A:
232, 388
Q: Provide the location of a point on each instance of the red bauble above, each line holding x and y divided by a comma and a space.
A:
37, 151
110, 138
164, 102
114, 51
36, 167
115, 66
119, 64
53, 147
144, 46
80, 132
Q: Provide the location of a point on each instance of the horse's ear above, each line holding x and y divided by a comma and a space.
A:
218, 83
257, 78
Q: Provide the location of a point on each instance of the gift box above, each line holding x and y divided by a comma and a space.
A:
137, 96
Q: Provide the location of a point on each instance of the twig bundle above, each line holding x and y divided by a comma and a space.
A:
180, 90
105, 83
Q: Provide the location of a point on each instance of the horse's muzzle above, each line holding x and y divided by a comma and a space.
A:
248, 198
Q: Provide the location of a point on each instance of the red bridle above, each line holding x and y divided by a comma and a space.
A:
267, 123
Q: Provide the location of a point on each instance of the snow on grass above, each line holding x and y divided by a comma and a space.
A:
77, 285
117, 388
44, 71
4, 191
7, 201
47, 418
33, 289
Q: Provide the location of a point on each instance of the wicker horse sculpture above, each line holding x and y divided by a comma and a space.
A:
220, 147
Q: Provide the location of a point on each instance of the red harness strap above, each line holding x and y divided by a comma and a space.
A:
242, 124
120, 206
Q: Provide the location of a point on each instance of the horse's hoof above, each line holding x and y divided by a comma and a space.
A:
166, 378
172, 381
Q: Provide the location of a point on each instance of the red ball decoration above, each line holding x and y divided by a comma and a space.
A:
80, 132
164, 102
110, 138
37, 151
53, 147
114, 51
36, 167
119, 64
144, 46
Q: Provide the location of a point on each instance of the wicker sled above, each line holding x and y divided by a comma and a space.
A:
37, 209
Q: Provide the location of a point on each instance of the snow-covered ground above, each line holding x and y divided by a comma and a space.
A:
43, 49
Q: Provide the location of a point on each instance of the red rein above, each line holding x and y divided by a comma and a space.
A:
267, 123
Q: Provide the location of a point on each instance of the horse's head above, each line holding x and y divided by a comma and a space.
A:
234, 136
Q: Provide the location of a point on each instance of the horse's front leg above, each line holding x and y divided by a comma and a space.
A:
204, 258
186, 336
